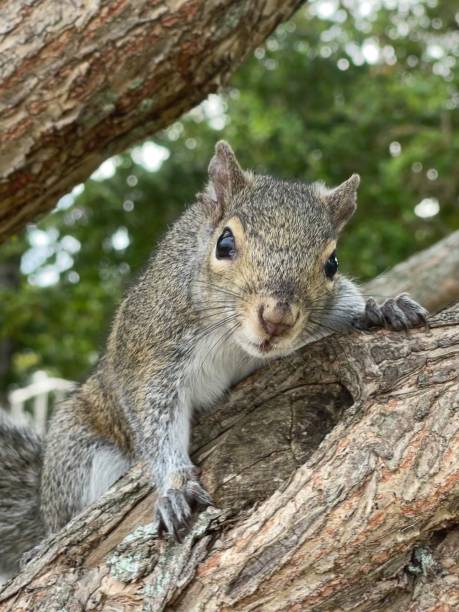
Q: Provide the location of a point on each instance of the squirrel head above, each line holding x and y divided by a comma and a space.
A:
270, 267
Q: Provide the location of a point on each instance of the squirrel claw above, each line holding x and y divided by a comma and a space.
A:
397, 313
170, 515
174, 509
197, 495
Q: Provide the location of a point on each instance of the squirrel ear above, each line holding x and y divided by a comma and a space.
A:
225, 174
342, 201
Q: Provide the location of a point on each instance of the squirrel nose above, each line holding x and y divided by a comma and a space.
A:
276, 319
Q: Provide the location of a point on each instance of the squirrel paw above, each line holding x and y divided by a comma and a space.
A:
396, 313
174, 509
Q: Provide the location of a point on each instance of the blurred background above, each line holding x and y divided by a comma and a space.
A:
352, 86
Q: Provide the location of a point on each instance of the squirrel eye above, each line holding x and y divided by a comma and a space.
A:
331, 266
226, 247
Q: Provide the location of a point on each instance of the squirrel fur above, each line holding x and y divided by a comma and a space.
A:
247, 273
21, 526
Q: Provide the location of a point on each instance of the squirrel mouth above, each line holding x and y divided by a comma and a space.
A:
265, 346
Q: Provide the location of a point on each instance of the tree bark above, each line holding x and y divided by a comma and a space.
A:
336, 477
431, 276
82, 80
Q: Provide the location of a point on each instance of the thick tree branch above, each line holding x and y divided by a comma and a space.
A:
430, 276
331, 468
81, 81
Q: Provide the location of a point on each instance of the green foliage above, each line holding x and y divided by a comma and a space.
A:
326, 96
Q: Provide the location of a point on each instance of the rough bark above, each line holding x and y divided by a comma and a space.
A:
336, 477
431, 276
81, 80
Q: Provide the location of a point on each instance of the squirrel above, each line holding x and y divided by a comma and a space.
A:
248, 273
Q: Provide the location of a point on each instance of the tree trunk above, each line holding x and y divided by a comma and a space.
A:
82, 80
336, 477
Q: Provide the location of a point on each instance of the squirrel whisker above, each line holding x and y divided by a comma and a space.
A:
229, 332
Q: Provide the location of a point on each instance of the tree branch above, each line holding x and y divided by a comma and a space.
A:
429, 276
330, 467
82, 81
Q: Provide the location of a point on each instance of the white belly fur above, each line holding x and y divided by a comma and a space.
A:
215, 367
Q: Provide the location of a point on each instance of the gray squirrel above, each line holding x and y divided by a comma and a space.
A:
248, 273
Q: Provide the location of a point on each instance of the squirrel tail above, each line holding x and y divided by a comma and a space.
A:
21, 523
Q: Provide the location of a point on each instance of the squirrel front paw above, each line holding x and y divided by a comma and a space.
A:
396, 313
183, 496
